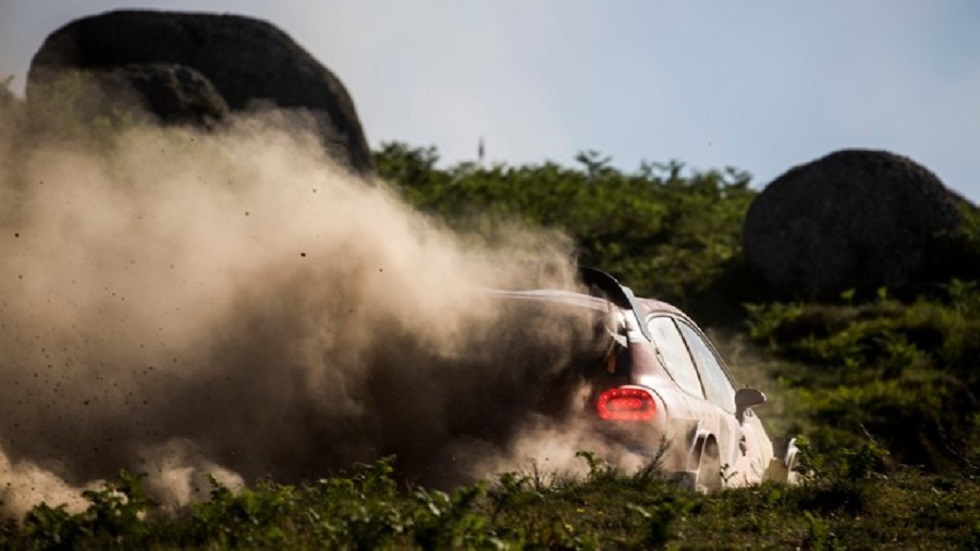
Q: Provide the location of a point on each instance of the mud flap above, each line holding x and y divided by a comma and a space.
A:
782, 467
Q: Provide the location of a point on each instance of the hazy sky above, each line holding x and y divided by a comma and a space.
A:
760, 85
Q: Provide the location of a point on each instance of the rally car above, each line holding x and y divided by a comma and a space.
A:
659, 388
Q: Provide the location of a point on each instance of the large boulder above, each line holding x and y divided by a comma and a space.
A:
173, 93
855, 219
250, 63
153, 92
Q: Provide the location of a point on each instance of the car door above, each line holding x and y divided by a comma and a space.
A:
695, 415
745, 460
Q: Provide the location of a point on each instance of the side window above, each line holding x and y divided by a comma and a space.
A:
717, 385
671, 349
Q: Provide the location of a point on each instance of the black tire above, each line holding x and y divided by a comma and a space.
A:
709, 478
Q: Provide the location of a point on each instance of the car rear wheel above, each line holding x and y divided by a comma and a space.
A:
709, 468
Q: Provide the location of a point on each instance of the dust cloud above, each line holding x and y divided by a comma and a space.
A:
186, 304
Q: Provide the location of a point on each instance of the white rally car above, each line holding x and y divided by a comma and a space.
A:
662, 390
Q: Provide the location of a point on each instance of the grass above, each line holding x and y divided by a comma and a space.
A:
846, 501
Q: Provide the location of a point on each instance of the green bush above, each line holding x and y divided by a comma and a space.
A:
667, 234
849, 499
906, 373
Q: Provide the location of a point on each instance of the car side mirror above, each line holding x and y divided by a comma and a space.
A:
745, 399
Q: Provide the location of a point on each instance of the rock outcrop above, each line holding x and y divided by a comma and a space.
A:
172, 58
855, 219
169, 93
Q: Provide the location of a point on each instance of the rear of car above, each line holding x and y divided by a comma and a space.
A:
659, 389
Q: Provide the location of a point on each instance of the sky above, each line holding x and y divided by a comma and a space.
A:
760, 86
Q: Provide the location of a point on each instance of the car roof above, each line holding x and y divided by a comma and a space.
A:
651, 306
648, 306
554, 295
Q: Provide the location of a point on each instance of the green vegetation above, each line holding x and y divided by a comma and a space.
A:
885, 390
903, 372
668, 234
846, 502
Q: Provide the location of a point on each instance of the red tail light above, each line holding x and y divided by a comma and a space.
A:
626, 404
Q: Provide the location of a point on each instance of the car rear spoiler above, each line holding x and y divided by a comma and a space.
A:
616, 292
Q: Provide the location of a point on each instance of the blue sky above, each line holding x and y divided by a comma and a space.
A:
760, 85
